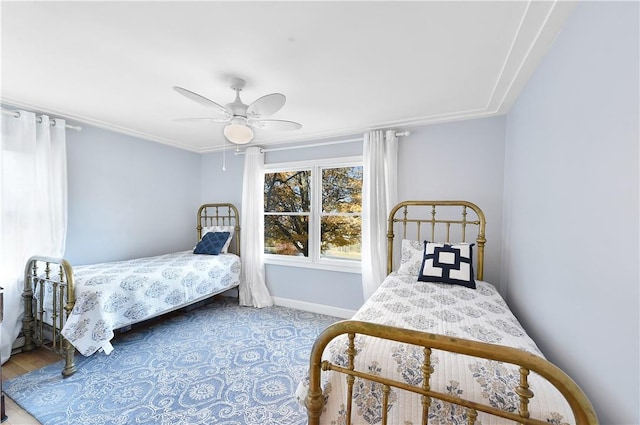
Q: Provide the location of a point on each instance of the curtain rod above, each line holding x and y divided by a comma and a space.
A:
311, 145
16, 114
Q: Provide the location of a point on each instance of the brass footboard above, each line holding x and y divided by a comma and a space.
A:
49, 298
581, 407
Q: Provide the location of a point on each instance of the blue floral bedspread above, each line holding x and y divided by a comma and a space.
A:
116, 294
477, 314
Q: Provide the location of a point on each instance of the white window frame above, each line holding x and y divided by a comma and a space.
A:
314, 260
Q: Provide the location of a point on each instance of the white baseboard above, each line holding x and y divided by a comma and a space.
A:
329, 310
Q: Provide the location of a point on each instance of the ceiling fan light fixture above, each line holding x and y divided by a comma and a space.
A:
239, 116
238, 133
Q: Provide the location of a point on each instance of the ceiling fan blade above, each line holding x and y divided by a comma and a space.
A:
222, 110
266, 105
278, 125
202, 119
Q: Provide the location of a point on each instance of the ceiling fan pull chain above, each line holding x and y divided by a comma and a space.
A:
224, 151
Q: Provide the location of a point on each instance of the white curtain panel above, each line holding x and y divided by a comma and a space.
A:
379, 195
253, 289
33, 204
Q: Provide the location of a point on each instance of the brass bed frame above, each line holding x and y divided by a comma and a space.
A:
41, 271
411, 217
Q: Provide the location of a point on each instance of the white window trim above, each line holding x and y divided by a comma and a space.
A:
314, 261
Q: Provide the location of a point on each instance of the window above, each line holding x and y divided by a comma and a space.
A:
313, 213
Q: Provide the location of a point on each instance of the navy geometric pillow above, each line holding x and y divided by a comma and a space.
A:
446, 263
211, 243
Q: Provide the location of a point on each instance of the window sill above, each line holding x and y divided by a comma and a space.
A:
335, 266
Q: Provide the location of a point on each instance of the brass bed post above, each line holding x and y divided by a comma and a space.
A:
67, 348
314, 402
433, 222
40, 285
236, 229
351, 354
60, 307
427, 370
481, 238
524, 393
31, 271
472, 415
390, 234
386, 389
54, 314
390, 245
464, 224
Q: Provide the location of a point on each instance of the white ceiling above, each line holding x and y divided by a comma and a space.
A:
345, 67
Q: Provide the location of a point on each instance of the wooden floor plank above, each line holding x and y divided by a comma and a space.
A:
17, 365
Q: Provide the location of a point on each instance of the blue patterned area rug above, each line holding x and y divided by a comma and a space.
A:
218, 364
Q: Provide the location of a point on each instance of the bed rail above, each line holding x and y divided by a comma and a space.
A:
581, 407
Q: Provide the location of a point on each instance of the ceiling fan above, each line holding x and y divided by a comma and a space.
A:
242, 117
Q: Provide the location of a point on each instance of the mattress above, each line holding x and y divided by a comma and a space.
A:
477, 314
117, 294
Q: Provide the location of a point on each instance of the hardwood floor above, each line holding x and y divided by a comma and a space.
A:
17, 365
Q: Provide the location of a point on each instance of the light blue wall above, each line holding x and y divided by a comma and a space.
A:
460, 160
218, 185
128, 197
571, 206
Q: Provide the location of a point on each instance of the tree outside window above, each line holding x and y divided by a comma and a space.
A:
314, 212
340, 219
287, 205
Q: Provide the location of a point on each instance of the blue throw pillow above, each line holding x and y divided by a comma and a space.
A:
446, 263
211, 243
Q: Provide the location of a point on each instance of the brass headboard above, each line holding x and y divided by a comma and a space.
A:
438, 217
224, 214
